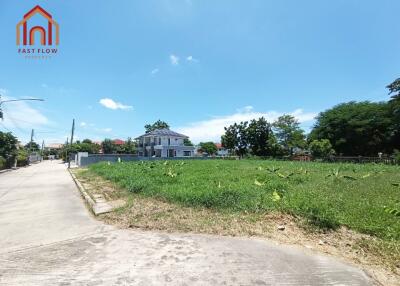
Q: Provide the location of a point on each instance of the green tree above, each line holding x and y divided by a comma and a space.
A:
159, 124
108, 146
129, 147
187, 142
87, 141
258, 134
32, 146
8, 147
394, 105
394, 87
231, 138
288, 133
356, 128
209, 147
321, 148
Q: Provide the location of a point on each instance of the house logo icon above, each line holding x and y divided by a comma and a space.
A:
45, 34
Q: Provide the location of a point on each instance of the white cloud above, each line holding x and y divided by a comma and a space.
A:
192, 59
83, 124
212, 129
111, 104
154, 71
174, 59
106, 130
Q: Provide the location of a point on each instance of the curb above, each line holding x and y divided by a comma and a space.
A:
10, 169
97, 206
5, 171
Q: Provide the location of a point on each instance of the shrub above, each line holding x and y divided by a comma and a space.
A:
321, 148
2, 163
396, 156
22, 158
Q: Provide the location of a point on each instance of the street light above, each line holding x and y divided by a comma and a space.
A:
10, 100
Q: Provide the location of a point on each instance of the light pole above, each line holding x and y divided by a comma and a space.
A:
11, 100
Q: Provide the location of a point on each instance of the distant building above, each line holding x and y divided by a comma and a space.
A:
221, 151
55, 146
163, 143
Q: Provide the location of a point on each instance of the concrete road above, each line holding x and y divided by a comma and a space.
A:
47, 237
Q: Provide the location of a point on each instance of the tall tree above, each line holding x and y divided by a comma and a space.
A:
159, 124
32, 146
394, 87
231, 138
394, 104
258, 137
288, 132
187, 142
355, 128
235, 138
243, 144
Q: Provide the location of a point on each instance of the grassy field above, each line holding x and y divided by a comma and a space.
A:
364, 198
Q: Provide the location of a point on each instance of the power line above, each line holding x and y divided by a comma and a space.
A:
5, 127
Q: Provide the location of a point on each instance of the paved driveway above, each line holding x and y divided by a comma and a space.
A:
47, 237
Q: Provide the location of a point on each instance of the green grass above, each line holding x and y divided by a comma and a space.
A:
362, 197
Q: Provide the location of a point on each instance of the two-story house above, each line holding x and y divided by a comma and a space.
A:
163, 143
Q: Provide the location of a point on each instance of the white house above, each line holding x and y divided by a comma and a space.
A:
221, 151
163, 143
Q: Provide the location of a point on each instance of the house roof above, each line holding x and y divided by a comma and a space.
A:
118, 142
163, 132
55, 145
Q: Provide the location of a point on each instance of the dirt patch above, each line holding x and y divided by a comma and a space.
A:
380, 259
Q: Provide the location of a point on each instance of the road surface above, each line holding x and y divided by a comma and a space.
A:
47, 237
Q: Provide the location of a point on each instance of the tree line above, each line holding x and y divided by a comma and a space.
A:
350, 129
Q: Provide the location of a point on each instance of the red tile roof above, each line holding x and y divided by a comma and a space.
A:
119, 142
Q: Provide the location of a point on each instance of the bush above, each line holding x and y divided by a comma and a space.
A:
22, 158
321, 148
396, 156
2, 163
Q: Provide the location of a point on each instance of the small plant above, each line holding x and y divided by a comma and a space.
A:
283, 176
394, 210
257, 183
275, 196
336, 174
273, 169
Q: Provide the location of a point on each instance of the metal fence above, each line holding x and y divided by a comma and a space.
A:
362, 159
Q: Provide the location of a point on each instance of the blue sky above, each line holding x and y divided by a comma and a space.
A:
197, 64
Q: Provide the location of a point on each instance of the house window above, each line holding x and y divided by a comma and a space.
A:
169, 141
159, 140
186, 153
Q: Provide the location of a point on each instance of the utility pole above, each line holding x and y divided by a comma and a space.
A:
66, 149
42, 150
72, 140
30, 144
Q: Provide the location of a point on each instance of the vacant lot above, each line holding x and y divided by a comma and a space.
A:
347, 210
362, 197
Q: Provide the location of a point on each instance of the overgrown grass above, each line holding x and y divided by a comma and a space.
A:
362, 197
